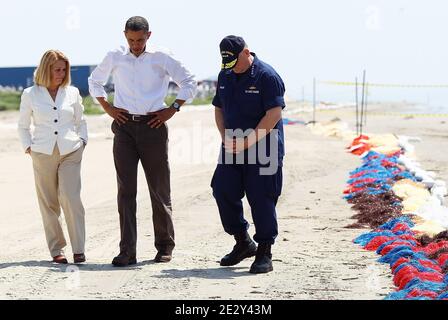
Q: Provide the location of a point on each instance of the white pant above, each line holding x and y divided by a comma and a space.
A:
58, 184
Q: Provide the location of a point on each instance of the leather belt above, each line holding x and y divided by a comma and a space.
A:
138, 117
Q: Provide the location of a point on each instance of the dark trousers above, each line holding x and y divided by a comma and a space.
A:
134, 142
231, 182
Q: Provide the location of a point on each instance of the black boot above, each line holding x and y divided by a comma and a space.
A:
244, 248
263, 259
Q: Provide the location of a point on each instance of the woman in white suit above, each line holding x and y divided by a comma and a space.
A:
56, 146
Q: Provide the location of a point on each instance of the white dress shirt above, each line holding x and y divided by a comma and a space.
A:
61, 121
141, 83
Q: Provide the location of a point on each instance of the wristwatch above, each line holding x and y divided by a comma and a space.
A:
176, 106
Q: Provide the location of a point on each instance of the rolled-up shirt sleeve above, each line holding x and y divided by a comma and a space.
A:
273, 92
182, 77
80, 121
100, 76
25, 121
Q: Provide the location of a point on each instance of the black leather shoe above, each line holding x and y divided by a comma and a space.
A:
123, 260
244, 248
263, 259
163, 257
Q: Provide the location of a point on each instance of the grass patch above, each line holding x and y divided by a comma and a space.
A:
196, 101
11, 101
90, 107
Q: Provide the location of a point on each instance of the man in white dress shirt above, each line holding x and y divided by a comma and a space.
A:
141, 75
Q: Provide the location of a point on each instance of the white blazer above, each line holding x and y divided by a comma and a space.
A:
61, 121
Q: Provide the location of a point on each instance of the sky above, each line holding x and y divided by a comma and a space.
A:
395, 41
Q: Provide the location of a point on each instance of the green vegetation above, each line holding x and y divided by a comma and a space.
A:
11, 101
196, 101
91, 108
202, 101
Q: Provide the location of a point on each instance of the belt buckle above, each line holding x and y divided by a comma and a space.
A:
135, 117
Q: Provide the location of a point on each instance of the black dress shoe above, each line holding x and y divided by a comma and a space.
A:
60, 259
123, 260
163, 257
79, 258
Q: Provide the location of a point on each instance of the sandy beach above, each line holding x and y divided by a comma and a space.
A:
314, 257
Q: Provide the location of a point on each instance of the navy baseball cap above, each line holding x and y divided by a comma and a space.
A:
231, 47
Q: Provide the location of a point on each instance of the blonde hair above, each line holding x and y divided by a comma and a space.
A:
42, 75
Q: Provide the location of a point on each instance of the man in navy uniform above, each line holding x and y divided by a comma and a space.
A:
248, 111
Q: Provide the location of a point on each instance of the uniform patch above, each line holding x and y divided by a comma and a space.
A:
252, 89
